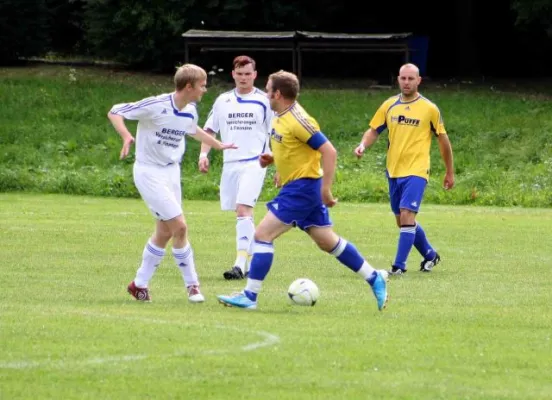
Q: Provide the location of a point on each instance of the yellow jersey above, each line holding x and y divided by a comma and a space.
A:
410, 125
294, 139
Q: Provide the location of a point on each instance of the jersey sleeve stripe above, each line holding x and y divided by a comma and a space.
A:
381, 128
135, 106
303, 121
138, 103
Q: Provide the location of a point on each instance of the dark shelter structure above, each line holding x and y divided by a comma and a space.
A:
297, 43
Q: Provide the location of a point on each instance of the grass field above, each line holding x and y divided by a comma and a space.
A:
478, 327
55, 137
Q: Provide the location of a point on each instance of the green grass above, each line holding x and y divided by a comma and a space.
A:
55, 137
477, 327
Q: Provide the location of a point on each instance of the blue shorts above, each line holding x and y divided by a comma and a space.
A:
406, 192
299, 203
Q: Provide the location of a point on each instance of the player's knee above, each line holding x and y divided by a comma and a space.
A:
161, 236
325, 243
244, 211
180, 231
406, 217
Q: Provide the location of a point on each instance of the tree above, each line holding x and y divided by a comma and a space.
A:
534, 14
23, 29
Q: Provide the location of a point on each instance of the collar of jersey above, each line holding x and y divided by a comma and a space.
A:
175, 110
287, 109
411, 101
238, 95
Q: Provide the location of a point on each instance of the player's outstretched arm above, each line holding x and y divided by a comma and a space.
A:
208, 139
329, 161
203, 162
118, 123
368, 139
446, 153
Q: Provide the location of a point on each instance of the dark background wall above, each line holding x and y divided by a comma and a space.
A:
467, 38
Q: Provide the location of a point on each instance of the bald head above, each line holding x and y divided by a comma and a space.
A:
410, 69
409, 79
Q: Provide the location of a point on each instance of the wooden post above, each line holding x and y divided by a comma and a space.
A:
186, 51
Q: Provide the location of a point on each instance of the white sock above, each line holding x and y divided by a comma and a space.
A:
366, 271
151, 258
245, 229
184, 259
253, 285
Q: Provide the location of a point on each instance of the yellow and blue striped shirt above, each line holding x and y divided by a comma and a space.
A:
295, 138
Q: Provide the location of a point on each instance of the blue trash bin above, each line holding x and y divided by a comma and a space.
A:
418, 46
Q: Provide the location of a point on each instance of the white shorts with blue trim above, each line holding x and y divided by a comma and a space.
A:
160, 189
241, 183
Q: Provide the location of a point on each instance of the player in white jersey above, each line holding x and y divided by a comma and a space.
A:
241, 116
163, 121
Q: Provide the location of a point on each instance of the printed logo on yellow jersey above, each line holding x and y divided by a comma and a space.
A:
402, 120
411, 126
275, 136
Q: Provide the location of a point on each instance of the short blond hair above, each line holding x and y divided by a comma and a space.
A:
286, 82
188, 73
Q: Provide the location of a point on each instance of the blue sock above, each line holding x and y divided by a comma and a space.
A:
348, 255
263, 255
422, 245
406, 240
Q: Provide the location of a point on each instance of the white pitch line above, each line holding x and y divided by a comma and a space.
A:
269, 339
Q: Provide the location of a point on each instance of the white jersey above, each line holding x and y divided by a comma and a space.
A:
161, 128
243, 120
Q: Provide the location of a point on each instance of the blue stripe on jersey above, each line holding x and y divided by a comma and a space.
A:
396, 103
381, 128
178, 113
141, 104
317, 140
249, 159
240, 100
264, 147
181, 114
433, 129
303, 121
256, 157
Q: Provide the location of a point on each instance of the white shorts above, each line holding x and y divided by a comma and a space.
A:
160, 189
241, 183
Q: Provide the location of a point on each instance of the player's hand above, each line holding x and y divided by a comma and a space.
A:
277, 182
203, 165
327, 198
359, 151
448, 182
226, 146
266, 159
126, 147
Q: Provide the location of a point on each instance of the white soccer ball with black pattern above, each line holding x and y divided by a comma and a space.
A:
303, 292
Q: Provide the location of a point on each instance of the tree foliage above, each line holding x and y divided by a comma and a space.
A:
534, 13
66, 24
137, 33
23, 29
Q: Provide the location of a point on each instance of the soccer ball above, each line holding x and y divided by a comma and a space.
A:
303, 292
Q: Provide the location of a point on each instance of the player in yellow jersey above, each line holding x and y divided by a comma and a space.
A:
412, 121
305, 162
